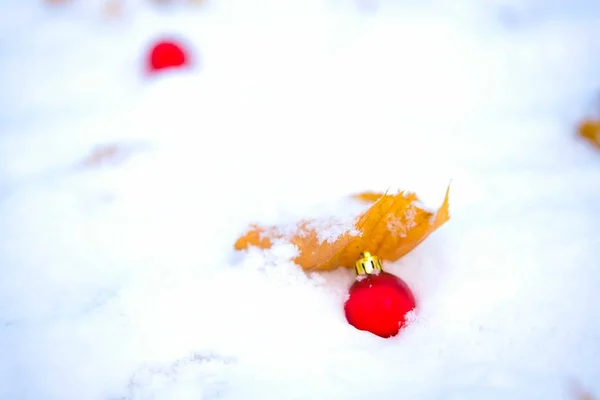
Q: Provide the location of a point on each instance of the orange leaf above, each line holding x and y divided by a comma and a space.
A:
590, 130
390, 228
372, 197
104, 154
369, 197
111, 154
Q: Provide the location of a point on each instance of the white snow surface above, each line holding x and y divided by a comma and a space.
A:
121, 282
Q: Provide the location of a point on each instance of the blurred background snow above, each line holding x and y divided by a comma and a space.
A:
120, 281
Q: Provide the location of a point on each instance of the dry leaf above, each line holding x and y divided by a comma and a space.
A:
369, 196
104, 154
589, 129
579, 393
392, 227
113, 8
112, 154
57, 2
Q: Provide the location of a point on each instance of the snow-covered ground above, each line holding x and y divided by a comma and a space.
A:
120, 282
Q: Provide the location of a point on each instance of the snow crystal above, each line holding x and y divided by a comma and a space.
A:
178, 380
411, 316
330, 230
402, 225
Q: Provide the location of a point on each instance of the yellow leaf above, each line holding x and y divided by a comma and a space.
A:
590, 130
390, 228
369, 197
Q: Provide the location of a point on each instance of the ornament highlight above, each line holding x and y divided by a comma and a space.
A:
167, 54
378, 301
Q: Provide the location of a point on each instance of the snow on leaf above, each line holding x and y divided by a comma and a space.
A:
390, 228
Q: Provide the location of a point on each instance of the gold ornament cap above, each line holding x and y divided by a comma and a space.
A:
368, 264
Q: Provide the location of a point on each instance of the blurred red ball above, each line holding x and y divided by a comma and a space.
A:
167, 54
378, 303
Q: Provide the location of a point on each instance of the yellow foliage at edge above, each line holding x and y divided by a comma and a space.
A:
390, 228
590, 130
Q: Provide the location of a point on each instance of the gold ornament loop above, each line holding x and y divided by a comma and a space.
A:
368, 264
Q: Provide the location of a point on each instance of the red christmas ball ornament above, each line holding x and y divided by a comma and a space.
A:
378, 301
167, 54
